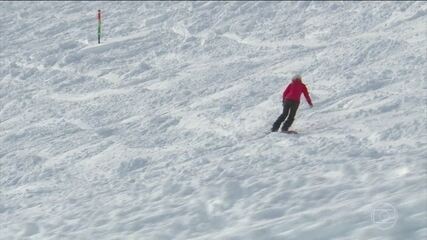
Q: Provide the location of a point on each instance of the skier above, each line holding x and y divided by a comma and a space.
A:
291, 99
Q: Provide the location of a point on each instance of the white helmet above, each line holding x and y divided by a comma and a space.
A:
296, 77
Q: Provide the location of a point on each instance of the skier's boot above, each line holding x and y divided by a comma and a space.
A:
275, 127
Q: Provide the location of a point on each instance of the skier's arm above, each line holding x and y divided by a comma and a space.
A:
307, 96
286, 92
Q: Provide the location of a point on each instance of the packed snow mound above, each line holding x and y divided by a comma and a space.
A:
161, 131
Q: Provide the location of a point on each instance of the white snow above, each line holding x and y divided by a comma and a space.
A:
160, 132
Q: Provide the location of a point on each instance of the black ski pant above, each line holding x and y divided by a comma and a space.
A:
289, 110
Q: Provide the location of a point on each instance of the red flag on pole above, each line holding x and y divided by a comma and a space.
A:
99, 26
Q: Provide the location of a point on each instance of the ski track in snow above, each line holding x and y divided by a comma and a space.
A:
161, 131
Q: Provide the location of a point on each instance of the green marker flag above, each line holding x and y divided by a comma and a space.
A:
99, 26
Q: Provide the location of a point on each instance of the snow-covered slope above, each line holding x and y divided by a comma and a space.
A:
160, 131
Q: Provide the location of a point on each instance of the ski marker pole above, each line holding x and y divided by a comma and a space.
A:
99, 26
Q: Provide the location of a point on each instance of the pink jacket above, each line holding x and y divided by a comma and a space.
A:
294, 90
